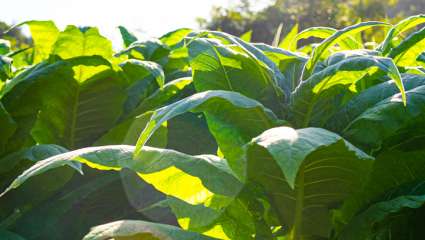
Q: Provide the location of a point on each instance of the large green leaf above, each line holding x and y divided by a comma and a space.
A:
143, 79
406, 53
132, 229
218, 67
332, 40
254, 53
150, 49
389, 122
391, 169
72, 112
74, 42
306, 173
379, 219
44, 34
242, 118
397, 30
369, 98
313, 100
289, 63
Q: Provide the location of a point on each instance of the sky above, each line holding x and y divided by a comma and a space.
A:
149, 18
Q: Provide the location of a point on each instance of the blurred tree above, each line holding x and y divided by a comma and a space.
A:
308, 13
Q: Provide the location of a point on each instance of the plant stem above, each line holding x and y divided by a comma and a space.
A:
299, 206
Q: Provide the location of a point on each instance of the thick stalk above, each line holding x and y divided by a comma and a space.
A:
299, 206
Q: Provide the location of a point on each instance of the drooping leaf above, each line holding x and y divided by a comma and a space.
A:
150, 50
333, 39
143, 79
369, 98
289, 63
233, 108
255, 54
312, 101
398, 29
387, 121
306, 173
217, 67
406, 53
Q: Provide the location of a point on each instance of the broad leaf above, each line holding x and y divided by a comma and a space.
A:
217, 67
398, 29
313, 100
306, 173
242, 117
406, 53
388, 121
330, 41
378, 220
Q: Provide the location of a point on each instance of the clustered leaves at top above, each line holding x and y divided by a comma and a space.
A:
214, 137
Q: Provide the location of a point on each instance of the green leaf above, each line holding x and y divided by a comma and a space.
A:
74, 42
388, 120
7, 128
313, 98
398, 29
391, 169
406, 53
242, 117
332, 40
289, 63
4, 47
34, 154
368, 99
172, 38
306, 173
217, 67
127, 229
163, 96
128, 132
143, 79
287, 41
44, 35
246, 36
127, 37
255, 54
5, 69
151, 50
72, 112
394, 203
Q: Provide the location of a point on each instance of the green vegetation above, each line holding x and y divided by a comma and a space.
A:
245, 16
229, 139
